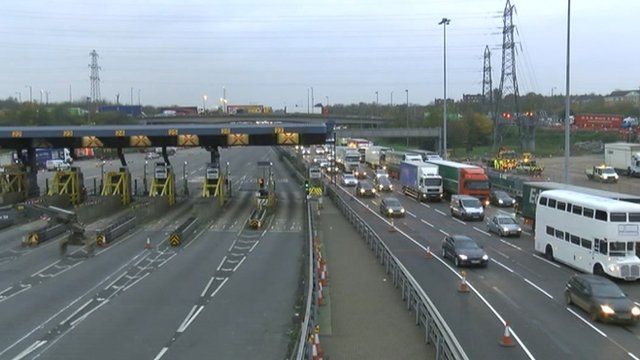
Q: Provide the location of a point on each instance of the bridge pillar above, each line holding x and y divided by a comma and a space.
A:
32, 172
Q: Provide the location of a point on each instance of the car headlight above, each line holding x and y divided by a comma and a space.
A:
380, 187
485, 257
607, 310
520, 229
500, 201
505, 229
486, 202
390, 211
513, 201
361, 191
462, 257
613, 267
373, 191
402, 210
635, 311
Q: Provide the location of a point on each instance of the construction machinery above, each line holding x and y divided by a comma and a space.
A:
61, 221
505, 160
528, 165
265, 197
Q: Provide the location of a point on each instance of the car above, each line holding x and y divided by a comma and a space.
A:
601, 298
391, 206
383, 184
365, 188
504, 225
466, 207
151, 155
360, 172
381, 172
464, 251
349, 180
501, 198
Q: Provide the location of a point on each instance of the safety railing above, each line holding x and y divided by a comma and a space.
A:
437, 332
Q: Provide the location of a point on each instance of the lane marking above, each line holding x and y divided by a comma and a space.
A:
206, 288
526, 232
482, 231
161, 353
510, 244
412, 214
444, 232
426, 205
195, 315
632, 356
136, 281
503, 265
30, 349
240, 263
219, 287
586, 322
186, 319
460, 221
440, 212
222, 263
547, 261
428, 223
76, 312
537, 288
501, 253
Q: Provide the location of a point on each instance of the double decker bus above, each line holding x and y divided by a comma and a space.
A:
590, 233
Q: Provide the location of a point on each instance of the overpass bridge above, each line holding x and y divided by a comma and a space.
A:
359, 121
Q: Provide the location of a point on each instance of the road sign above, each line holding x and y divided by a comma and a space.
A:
174, 240
315, 191
100, 239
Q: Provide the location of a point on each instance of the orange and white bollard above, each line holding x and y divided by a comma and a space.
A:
392, 227
507, 341
318, 348
463, 287
323, 275
320, 296
147, 245
428, 254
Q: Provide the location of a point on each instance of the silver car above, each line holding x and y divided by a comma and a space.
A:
504, 225
349, 180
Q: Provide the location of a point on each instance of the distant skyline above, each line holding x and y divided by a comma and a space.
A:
175, 52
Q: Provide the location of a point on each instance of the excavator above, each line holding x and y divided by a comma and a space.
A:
66, 219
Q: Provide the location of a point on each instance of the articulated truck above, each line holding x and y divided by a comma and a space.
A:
463, 179
420, 180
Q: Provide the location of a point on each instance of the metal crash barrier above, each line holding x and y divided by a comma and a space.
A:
118, 184
183, 232
119, 227
71, 183
35, 238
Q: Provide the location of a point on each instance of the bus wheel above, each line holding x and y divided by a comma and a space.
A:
548, 253
597, 270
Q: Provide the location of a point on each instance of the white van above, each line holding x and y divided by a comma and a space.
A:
56, 165
466, 207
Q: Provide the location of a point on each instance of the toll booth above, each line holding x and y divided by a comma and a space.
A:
265, 197
212, 180
118, 184
71, 183
13, 179
163, 183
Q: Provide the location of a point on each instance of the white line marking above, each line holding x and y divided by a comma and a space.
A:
444, 232
426, 222
482, 231
254, 245
221, 263
501, 253
30, 349
76, 321
412, 214
135, 282
5, 290
547, 261
528, 233
588, 323
503, 265
192, 318
510, 244
440, 212
538, 288
167, 260
186, 319
240, 263
460, 221
161, 353
632, 356
219, 287
428, 206
225, 269
76, 312
206, 288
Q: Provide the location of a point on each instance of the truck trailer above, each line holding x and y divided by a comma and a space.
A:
393, 159
624, 157
420, 180
374, 156
463, 179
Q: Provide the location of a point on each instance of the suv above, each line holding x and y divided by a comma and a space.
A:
466, 207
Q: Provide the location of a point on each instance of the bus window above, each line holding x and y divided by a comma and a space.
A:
617, 248
567, 237
543, 201
569, 207
601, 215
602, 246
562, 205
634, 217
552, 203
586, 212
559, 234
596, 245
630, 246
618, 217
575, 239
549, 230
586, 244
577, 210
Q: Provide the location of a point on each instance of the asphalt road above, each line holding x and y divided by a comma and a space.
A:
517, 286
228, 293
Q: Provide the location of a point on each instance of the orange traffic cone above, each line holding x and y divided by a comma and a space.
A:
428, 254
323, 276
320, 296
318, 353
147, 245
463, 287
506, 337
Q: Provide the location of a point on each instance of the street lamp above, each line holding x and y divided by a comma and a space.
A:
204, 103
30, 92
102, 175
144, 179
444, 22
184, 178
391, 102
567, 102
407, 117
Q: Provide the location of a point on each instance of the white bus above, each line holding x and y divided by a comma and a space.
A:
590, 233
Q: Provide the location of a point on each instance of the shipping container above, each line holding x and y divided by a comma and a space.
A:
597, 121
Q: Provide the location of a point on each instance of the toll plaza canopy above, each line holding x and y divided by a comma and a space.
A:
183, 135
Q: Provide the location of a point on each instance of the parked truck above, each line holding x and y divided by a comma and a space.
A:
624, 157
463, 179
420, 180
602, 173
45, 154
393, 159
530, 191
374, 156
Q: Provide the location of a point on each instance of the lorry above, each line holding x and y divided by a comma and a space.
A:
347, 158
530, 191
623, 157
420, 180
45, 154
509, 182
392, 160
426, 154
463, 179
374, 156
602, 173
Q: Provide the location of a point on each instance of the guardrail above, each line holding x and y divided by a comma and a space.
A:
183, 231
39, 236
437, 331
116, 229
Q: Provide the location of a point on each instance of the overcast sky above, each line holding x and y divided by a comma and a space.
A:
271, 52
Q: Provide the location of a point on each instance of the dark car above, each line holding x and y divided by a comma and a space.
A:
391, 206
365, 188
501, 198
360, 172
383, 184
601, 298
464, 251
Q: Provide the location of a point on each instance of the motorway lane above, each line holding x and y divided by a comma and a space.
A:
522, 290
11, 239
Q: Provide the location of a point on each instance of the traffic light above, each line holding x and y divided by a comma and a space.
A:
306, 187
